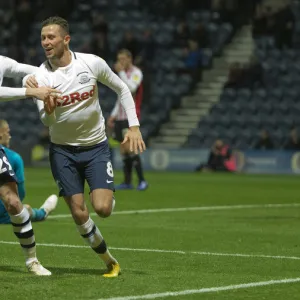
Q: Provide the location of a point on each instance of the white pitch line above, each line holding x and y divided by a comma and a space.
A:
207, 290
179, 209
166, 251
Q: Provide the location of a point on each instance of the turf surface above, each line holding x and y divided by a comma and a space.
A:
198, 242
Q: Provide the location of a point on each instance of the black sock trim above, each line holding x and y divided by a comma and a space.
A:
90, 233
101, 249
28, 246
25, 235
20, 225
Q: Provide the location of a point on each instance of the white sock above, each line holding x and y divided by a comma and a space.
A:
92, 235
113, 204
23, 230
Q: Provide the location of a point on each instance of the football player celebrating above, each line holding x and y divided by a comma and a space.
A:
79, 149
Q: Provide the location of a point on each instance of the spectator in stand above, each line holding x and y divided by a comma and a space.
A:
235, 12
63, 8
278, 23
177, 9
253, 74
144, 60
99, 45
264, 142
147, 50
200, 35
182, 34
234, 76
264, 22
285, 25
193, 60
292, 142
220, 158
249, 75
24, 16
130, 43
99, 24
227, 10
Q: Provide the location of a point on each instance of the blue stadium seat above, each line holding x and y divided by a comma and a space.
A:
275, 54
275, 93
207, 56
228, 95
244, 93
101, 4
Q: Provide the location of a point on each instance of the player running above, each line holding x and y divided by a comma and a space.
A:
16, 162
132, 76
79, 149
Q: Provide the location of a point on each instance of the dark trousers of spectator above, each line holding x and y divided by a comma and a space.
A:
284, 39
214, 163
212, 167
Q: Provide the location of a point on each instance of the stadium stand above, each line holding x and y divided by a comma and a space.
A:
266, 99
170, 77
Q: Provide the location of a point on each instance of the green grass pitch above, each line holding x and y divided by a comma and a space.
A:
201, 245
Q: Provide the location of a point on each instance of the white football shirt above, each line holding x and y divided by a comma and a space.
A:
11, 68
78, 119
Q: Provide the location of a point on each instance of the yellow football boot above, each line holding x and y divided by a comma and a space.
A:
113, 270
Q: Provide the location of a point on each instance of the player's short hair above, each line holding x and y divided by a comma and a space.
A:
3, 123
126, 52
64, 25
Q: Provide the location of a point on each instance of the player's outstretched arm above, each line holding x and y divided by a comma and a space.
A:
106, 76
10, 94
12, 68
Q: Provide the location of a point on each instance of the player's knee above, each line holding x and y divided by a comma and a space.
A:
103, 210
10, 198
13, 203
79, 215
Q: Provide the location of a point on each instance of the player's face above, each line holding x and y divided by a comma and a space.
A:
124, 60
5, 135
54, 41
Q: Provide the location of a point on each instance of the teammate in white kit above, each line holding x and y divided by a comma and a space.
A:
79, 149
19, 215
